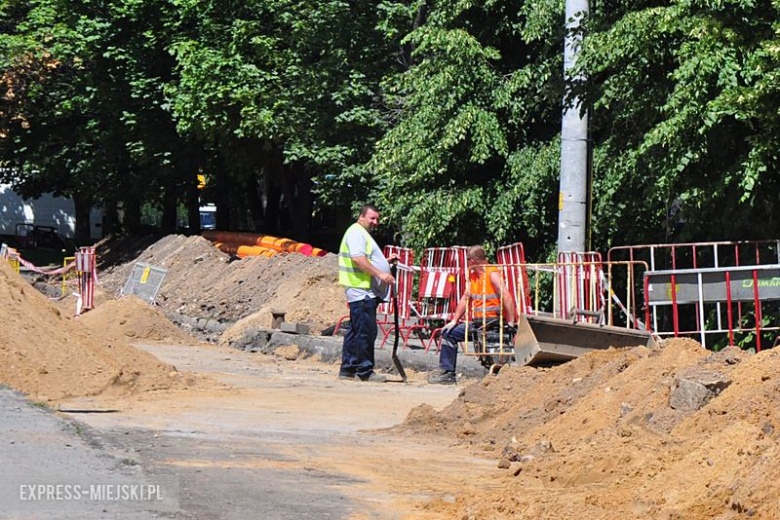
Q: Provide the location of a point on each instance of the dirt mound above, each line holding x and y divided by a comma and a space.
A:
51, 356
612, 435
202, 282
132, 319
115, 249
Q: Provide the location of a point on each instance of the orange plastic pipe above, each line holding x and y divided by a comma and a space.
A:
279, 244
244, 251
267, 241
304, 249
228, 248
231, 237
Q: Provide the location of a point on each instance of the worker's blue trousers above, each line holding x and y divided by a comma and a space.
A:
448, 357
357, 352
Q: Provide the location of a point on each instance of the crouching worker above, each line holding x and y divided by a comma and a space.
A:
485, 291
365, 273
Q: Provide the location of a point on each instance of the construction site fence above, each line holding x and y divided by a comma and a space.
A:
576, 290
578, 287
750, 323
723, 306
579, 284
82, 266
67, 275
428, 293
583, 291
695, 255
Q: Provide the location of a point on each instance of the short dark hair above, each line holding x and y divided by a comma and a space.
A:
476, 253
365, 208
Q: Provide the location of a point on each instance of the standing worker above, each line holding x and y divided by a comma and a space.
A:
487, 293
365, 273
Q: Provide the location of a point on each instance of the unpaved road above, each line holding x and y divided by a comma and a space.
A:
285, 440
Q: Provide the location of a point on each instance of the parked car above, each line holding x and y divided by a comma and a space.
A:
31, 236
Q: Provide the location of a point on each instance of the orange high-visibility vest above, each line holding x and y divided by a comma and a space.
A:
484, 300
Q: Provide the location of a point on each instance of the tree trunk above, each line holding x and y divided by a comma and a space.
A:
273, 199
273, 171
255, 202
296, 185
170, 203
131, 217
408, 50
110, 222
303, 207
222, 195
193, 208
82, 207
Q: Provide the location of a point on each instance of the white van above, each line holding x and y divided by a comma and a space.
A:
47, 211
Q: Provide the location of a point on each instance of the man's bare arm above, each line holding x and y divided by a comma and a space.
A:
506, 298
460, 309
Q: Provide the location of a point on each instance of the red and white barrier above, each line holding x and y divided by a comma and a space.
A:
437, 284
9, 253
87, 276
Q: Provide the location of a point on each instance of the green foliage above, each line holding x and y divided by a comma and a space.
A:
683, 96
300, 77
87, 116
468, 117
531, 184
444, 112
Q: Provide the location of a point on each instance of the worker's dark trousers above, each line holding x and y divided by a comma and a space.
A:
357, 353
448, 357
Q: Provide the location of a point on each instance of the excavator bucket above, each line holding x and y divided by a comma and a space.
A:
542, 340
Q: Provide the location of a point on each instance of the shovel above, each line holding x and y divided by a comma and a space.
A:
396, 361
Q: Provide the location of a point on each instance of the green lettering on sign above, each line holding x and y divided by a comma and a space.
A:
772, 282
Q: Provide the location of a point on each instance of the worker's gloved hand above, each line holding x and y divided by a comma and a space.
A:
449, 326
511, 328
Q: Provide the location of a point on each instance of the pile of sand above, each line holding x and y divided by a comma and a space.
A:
202, 282
597, 437
50, 356
132, 319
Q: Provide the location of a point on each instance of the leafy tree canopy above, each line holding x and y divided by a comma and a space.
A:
446, 113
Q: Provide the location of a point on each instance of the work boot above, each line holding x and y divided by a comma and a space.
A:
373, 377
442, 377
346, 377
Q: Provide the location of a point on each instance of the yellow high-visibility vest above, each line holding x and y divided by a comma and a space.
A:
350, 275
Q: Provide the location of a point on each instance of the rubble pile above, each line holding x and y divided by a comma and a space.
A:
132, 319
202, 282
674, 432
50, 355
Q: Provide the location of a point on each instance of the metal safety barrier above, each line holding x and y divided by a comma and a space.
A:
551, 330
695, 255
67, 274
707, 291
405, 287
509, 259
581, 295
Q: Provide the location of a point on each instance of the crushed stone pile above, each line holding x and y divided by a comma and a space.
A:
132, 319
675, 432
203, 282
50, 356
